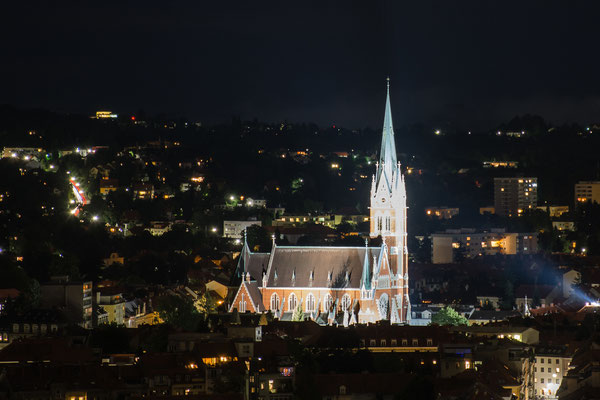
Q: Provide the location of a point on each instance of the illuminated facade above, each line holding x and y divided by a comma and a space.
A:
587, 191
339, 284
446, 246
105, 114
514, 196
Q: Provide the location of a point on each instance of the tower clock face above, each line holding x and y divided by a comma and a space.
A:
383, 200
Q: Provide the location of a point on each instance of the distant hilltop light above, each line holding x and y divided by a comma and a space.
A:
105, 114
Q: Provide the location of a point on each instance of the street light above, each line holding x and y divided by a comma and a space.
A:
214, 229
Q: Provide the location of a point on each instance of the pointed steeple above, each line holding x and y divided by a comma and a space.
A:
387, 155
244, 259
366, 273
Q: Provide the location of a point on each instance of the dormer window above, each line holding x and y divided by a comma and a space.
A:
329, 276
312, 275
347, 276
293, 276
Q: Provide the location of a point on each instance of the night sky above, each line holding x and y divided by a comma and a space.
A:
470, 63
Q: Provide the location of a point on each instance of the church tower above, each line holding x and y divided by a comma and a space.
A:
388, 218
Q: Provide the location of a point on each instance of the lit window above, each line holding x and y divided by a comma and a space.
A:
345, 302
310, 303
293, 302
274, 302
328, 302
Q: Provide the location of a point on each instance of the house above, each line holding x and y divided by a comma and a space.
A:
519, 333
108, 185
114, 258
570, 278
143, 191
483, 317
536, 295
112, 301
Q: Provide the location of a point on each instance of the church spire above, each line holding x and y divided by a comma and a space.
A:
244, 259
387, 156
366, 273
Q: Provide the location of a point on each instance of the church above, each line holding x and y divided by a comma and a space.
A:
333, 285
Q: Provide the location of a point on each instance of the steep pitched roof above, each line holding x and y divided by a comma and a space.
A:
387, 157
255, 295
336, 267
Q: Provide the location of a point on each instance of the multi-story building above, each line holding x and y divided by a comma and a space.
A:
550, 366
143, 191
75, 298
453, 244
234, 229
513, 196
364, 284
113, 303
587, 191
554, 211
108, 185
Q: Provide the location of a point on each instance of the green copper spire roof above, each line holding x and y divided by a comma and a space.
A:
387, 155
366, 273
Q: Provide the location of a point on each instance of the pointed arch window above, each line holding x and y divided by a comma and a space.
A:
382, 306
379, 227
274, 302
310, 303
242, 307
346, 302
292, 302
328, 302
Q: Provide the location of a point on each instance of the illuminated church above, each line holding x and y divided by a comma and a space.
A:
339, 284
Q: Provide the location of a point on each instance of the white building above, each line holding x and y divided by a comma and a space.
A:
468, 243
550, 366
234, 229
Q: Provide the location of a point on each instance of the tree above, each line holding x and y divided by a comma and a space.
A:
205, 304
448, 316
111, 338
298, 314
509, 296
179, 312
